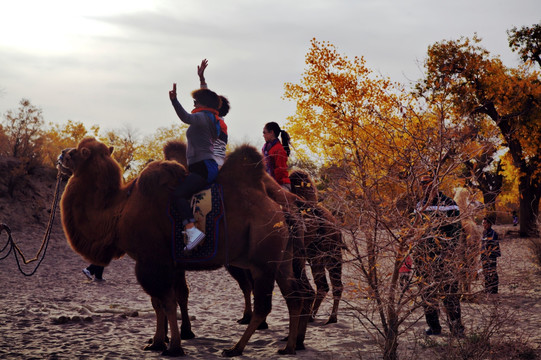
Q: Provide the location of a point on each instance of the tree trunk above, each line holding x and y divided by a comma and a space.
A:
489, 199
529, 207
391, 338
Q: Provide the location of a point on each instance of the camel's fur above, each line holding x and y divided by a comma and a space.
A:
104, 218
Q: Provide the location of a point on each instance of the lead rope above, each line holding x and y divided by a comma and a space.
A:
45, 242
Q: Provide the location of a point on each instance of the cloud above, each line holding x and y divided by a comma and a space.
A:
112, 63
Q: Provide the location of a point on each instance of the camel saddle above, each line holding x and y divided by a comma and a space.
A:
208, 210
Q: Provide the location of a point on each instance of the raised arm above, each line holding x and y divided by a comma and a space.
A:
181, 113
201, 73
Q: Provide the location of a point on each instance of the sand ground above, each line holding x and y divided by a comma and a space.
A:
59, 314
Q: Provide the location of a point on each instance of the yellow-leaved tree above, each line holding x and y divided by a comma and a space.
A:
374, 139
481, 87
60, 136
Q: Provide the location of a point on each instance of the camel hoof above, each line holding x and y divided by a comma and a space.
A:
245, 320
151, 340
231, 352
155, 347
332, 320
286, 351
186, 334
263, 326
300, 346
173, 352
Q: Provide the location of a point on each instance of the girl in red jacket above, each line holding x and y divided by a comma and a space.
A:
276, 153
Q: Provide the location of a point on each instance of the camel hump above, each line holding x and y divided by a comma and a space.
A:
160, 176
303, 185
244, 164
175, 150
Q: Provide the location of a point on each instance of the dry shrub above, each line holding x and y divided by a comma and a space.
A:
488, 341
535, 247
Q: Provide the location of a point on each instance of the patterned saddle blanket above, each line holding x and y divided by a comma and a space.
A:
208, 210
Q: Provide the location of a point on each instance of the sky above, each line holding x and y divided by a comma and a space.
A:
112, 62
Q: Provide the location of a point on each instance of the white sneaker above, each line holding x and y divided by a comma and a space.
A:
195, 236
87, 273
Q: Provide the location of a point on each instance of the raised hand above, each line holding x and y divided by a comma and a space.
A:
173, 93
201, 71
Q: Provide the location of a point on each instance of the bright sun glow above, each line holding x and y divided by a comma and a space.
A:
56, 26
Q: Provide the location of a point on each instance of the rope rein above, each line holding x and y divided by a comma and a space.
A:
11, 245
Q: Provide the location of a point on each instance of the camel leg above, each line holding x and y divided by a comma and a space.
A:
246, 284
290, 289
320, 279
308, 296
170, 307
263, 286
335, 274
182, 293
243, 279
158, 341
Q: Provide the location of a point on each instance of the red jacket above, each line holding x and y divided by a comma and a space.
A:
276, 161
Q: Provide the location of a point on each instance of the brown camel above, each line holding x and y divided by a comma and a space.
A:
323, 241
293, 206
317, 229
176, 150
104, 218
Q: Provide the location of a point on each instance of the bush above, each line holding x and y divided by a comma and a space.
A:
535, 246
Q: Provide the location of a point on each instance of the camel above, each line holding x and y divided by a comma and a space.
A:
176, 150
324, 244
317, 228
292, 206
322, 241
103, 219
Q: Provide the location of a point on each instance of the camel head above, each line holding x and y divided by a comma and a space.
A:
303, 186
73, 159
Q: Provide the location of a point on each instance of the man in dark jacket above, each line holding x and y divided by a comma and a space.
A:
490, 251
436, 257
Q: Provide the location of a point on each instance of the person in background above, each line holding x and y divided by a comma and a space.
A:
515, 218
490, 252
202, 166
405, 273
95, 271
276, 154
436, 261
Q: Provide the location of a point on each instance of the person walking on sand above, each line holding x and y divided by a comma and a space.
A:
405, 273
95, 271
435, 257
490, 252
